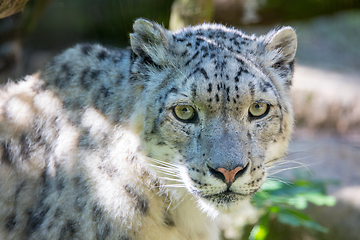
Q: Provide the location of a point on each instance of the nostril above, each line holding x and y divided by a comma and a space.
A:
241, 172
217, 174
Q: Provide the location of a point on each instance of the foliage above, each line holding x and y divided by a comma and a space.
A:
286, 202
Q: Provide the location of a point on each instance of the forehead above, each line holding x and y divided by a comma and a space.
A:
215, 51
218, 67
215, 37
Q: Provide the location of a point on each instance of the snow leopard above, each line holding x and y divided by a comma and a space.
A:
149, 142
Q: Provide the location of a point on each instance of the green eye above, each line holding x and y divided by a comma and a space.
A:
184, 113
258, 110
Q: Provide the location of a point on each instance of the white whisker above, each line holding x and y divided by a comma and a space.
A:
169, 175
167, 170
280, 180
285, 169
281, 163
175, 185
163, 163
171, 179
281, 159
302, 165
182, 199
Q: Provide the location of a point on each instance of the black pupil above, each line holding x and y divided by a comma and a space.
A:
185, 110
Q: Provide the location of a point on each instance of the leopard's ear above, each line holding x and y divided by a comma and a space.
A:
280, 48
151, 40
284, 43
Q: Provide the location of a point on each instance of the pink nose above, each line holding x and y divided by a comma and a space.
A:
229, 175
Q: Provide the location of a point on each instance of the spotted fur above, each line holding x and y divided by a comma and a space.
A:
93, 149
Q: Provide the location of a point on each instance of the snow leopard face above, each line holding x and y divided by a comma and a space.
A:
215, 108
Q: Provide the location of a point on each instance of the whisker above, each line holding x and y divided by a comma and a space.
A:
182, 199
280, 180
163, 163
273, 160
302, 165
297, 159
158, 161
170, 175
163, 169
281, 162
289, 162
280, 159
171, 179
175, 185
285, 169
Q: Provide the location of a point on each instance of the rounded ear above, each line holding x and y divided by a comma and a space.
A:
150, 40
283, 41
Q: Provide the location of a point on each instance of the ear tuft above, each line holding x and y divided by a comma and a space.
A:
283, 41
150, 39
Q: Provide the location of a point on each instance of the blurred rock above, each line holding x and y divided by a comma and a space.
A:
10, 7
265, 12
185, 13
324, 99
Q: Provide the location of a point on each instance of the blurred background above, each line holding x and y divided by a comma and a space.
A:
326, 89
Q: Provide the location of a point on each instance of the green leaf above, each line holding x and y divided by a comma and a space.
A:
274, 209
298, 202
271, 185
297, 218
319, 199
284, 201
259, 232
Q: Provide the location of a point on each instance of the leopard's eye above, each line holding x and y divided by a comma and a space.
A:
258, 110
184, 113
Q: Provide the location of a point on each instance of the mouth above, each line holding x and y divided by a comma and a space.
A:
228, 192
228, 196
225, 193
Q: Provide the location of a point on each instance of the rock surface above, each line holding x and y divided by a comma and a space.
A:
325, 99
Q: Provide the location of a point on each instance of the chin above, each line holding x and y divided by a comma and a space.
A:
225, 202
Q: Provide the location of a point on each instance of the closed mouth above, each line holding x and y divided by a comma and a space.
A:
226, 197
228, 193
223, 194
